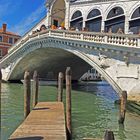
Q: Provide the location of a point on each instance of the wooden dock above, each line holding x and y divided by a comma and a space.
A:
45, 122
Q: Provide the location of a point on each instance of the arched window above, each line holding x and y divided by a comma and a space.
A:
76, 15
117, 11
43, 27
115, 20
94, 20
77, 20
58, 13
134, 23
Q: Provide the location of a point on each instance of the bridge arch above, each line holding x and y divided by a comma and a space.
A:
48, 46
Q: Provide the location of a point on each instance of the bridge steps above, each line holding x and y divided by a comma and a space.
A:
45, 122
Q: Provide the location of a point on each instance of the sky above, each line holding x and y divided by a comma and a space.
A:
21, 15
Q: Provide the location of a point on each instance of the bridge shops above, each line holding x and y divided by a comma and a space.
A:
96, 16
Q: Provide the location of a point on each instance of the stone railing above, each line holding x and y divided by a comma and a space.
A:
104, 38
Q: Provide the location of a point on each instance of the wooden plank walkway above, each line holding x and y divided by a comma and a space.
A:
45, 122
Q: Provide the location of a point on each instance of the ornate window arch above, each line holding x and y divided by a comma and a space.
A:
94, 19
43, 27
136, 13
58, 12
116, 11
115, 20
77, 20
134, 23
94, 13
76, 14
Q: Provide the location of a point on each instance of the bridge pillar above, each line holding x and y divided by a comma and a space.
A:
139, 42
126, 28
67, 15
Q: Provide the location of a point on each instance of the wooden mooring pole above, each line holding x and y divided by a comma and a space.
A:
109, 135
27, 93
68, 103
60, 86
123, 107
35, 88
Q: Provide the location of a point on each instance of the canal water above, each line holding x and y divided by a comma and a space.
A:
93, 111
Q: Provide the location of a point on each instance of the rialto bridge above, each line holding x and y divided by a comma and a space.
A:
115, 56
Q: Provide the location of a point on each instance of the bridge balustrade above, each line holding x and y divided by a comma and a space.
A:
123, 40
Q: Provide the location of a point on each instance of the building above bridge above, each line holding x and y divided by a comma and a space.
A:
96, 15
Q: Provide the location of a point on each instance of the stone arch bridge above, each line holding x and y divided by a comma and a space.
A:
116, 57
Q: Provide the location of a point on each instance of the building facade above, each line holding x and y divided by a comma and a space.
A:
7, 39
121, 16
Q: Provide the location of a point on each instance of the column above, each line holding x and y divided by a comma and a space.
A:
126, 26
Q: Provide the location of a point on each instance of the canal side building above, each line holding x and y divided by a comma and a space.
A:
7, 39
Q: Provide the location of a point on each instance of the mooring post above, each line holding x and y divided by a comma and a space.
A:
68, 102
35, 88
123, 107
0, 80
27, 93
60, 86
109, 135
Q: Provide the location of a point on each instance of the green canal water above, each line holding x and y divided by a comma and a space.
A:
93, 111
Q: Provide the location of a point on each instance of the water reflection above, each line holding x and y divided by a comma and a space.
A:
121, 132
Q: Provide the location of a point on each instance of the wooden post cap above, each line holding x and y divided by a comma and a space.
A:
35, 75
60, 75
124, 94
27, 75
68, 71
60, 86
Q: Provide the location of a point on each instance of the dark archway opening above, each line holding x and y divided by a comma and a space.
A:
58, 13
77, 20
94, 20
134, 23
115, 20
49, 62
